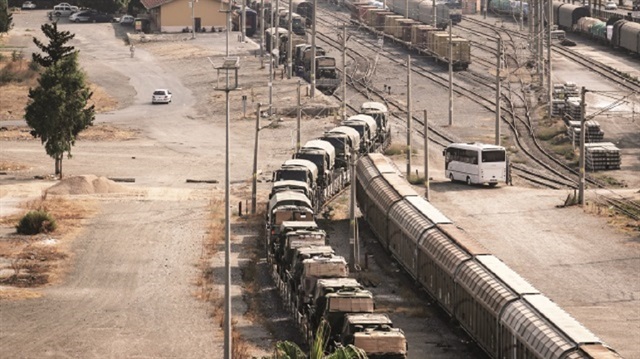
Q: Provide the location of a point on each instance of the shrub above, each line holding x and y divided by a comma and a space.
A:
35, 222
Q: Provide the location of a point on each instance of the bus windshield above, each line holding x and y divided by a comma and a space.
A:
493, 156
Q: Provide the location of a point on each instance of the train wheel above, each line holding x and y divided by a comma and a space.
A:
451, 177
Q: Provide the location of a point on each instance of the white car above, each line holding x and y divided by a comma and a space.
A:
161, 96
127, 20
63, 9
28, 5
610, 5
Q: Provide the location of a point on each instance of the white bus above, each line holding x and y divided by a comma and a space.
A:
475, 163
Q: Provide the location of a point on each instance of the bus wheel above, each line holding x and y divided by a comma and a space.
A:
451, 177
468, 181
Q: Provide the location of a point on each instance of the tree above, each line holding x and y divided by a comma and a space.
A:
56, 48
57, 110
289, 350
6, 18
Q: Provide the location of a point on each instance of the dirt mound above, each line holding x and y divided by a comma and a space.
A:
86, 184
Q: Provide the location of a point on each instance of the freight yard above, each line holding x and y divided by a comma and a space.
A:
143, 274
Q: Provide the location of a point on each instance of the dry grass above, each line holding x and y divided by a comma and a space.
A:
34, 261
100, 132
12, 166
210, 246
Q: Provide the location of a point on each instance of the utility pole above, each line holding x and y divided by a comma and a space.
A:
409, 116
244, 21
276, 14
498, 91
262, 35
299, 118
254, 187
450, 76
406, 9
435, 14
271, 79
521, 22
353, 240
344, 73
193, 19
313, 50
541, 66
549, 81
583, 114
426, 157
290, 42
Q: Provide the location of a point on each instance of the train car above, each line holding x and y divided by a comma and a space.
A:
509, 7
592, 27
298, 25
626, 35
251, 22
305, 9
566, 15
506, 316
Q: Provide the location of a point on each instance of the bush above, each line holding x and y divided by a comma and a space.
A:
35, 222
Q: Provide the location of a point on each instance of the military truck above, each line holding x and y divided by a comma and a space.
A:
374, 333
286, 206
314, 269
335, 297
293, 235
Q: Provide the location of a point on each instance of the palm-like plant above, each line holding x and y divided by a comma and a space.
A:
290, 350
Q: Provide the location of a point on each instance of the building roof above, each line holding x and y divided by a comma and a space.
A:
150, 4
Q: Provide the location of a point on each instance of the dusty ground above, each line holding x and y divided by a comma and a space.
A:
137, 268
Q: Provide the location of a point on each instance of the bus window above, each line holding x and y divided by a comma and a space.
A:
493, 156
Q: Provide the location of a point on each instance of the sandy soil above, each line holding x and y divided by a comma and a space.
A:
131, 286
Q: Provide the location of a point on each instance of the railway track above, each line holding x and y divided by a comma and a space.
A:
394, 55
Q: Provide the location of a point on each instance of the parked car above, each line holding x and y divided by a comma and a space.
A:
81, 16
63, 9
28, 5
610, 5
127, 20
161, 96
90, 16
101, 17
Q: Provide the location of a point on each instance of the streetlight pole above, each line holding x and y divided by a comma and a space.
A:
193, 19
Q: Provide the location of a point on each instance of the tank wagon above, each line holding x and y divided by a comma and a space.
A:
500, 310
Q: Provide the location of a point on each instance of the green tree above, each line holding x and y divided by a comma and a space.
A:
6, 18
56, 48
58, 109
290, 350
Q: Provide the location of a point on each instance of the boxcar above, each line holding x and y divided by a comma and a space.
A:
626, 34
566, 15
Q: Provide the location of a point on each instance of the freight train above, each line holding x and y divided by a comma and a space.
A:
506, 316
312, 278
616, 32
417, 31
